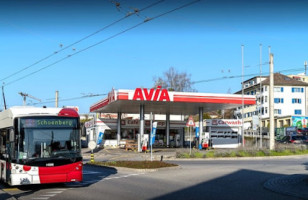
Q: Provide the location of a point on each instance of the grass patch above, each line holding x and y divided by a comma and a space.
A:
281, 150
135, 164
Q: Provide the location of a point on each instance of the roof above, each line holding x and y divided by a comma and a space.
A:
280, 79
161, 101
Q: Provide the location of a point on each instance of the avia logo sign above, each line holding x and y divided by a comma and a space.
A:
157, 94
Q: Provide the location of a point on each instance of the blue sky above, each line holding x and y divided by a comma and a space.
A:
203, 40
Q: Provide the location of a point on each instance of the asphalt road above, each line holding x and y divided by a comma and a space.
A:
206, 179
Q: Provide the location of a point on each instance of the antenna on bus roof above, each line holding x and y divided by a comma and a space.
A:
3, 97
28, 95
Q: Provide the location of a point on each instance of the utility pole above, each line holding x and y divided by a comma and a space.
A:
4, 103
305, 68
57, 98
24, 95
260, 98
271, 104
243, 138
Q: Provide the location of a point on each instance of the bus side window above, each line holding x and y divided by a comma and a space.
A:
2, 142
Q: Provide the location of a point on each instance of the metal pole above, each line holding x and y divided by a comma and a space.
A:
57, 99
271, 104
119, 128
260, 113
151, 134
305, 68
141, 127
200, 124
243, 138
190, 140
168, 129
4, 103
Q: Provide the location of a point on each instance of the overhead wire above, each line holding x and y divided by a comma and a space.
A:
105, 40
70, 99
245, 75
80, 40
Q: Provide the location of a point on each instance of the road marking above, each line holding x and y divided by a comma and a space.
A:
124, 176
11, 189
40, 198
48, 195
55, 192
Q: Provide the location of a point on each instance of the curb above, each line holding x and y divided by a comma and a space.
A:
238, 158
138, 170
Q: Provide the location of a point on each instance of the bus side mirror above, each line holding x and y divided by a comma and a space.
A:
12, 135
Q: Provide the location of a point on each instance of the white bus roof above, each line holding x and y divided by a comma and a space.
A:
7, 116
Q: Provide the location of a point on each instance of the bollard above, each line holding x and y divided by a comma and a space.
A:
92, 158
161, 158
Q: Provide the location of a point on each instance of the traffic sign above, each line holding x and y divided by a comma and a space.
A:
190, 121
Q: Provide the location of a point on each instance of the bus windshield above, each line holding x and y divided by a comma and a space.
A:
48, 138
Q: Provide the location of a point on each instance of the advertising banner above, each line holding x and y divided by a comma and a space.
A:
197, 131
153, 133
100, 137
299, 121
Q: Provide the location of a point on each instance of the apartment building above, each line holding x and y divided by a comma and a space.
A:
290, 100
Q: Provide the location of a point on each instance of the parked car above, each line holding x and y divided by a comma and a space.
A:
294, 139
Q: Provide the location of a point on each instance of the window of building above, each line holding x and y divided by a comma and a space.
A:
265, 88
297, 112
294, 100
278, 89
278, 100
297, 89
265, 99
277, 111
265, 110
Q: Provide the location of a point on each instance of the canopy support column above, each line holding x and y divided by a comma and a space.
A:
141, 128
168, 129
200, 124
119, 128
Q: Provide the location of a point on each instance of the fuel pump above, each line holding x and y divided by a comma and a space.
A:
144, 142
205, 140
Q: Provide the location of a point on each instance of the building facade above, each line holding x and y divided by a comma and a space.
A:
290, 99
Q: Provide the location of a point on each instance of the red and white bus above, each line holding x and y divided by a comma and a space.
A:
40, 145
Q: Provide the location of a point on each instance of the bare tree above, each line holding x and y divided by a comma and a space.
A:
175, 81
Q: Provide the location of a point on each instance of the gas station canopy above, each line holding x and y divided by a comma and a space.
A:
162, 101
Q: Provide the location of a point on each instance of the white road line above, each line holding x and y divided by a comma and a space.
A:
40, 198
55, 192
124, 176
48, 195
60, 189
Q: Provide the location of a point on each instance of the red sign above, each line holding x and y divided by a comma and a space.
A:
157, 94
190, 121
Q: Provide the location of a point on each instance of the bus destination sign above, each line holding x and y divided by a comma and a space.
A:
49, 123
